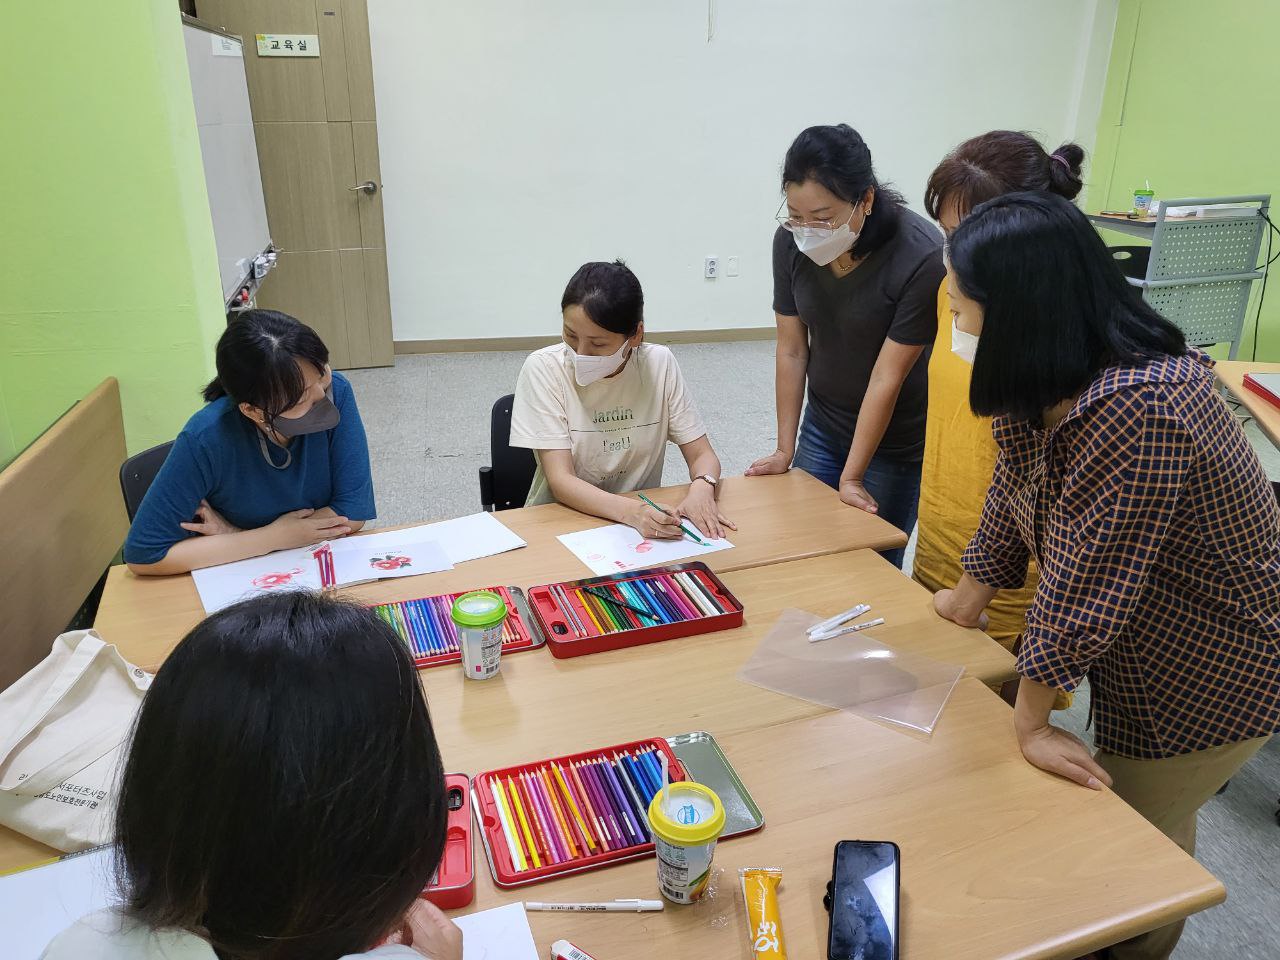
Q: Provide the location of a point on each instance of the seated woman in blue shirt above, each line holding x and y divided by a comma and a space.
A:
276, 459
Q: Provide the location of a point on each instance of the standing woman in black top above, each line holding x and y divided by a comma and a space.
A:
855, 286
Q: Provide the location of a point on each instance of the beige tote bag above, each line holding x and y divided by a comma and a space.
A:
64, 731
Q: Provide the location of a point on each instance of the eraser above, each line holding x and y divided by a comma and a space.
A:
564, 950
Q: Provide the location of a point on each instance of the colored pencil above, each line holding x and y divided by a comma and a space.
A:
616, 839
587, 836
562, 602
638, 598
608, 619
540, 828
630, 808
653, 768
611, 811
577, 840
607, 592
585, 796
685, 530
508, 830
557, 814
695, 595
676, 596
645, 589
591, 614
660, 595
638, 774
620, 608
524, 823
707, 592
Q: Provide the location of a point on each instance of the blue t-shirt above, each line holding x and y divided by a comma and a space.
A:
217, 458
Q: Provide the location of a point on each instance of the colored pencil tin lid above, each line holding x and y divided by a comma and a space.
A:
479, 609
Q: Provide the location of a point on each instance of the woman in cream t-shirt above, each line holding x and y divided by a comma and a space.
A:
599, 408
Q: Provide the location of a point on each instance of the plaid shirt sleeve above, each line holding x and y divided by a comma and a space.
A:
1125, 470
997, 555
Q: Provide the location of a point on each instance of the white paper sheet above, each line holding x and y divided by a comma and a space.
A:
469, 538
355, 560
618, 548
36, 905
228, 583
499, 934
456, 541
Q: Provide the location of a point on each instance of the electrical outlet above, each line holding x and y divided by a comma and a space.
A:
711, 268
731, 267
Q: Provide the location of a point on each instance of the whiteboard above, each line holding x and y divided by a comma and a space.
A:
228, 149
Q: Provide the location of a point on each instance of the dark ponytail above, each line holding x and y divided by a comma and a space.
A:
838, 158
1002, 161
257, 360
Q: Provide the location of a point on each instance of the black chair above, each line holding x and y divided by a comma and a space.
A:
505, 484
136, 475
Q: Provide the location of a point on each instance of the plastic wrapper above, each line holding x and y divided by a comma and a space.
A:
854, 673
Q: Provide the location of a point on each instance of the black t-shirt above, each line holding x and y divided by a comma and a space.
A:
892, 294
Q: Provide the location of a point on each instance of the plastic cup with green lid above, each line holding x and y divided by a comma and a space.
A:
479, 617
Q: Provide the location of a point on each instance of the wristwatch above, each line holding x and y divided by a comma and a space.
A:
709, 478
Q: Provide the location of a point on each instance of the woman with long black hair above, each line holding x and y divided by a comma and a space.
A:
855, 282
1127, 478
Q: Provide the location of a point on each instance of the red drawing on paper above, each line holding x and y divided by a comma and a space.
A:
596, 556
644, 546
391, 561
269, 581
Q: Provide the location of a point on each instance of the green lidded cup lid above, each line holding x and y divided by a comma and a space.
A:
480, 608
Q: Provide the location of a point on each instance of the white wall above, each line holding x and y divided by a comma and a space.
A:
520, 139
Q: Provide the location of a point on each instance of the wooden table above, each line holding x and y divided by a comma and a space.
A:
822, 585
999, 859
779, 518
1267, 415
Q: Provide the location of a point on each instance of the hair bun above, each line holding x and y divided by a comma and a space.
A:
1064, 170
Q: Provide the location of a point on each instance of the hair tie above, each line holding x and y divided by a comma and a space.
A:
1062, 160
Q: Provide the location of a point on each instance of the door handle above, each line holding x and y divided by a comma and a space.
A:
368, 187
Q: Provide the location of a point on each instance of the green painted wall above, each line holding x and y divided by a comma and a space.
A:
1190, 103
107, 258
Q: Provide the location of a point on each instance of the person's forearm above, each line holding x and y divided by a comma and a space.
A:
195, 553
873, 420
789, 377
1035, 703
585, 497
355, 525
970, 598
703, 464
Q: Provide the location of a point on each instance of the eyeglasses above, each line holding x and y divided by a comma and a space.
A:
795, 223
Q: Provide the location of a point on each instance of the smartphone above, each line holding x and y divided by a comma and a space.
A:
862, 898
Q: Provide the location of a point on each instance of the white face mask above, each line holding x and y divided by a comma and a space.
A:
823, 244
963, 345
587, 370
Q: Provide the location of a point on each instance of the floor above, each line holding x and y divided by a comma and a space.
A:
427, 420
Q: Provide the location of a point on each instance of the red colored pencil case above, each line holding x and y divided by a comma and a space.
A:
454, 883
426, 629
576, 620
506, 872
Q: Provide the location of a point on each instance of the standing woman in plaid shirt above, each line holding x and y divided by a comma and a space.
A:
1125, 476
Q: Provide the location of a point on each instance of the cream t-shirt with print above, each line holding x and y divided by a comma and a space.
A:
616, 429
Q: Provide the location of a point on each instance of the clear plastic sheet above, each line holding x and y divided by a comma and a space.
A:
853, 673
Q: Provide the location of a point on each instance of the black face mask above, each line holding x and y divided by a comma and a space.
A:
323, 415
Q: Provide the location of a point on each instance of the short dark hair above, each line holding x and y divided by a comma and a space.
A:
1057, 310
1001, 161
838, 158
609, 294
257, 360
284, 795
